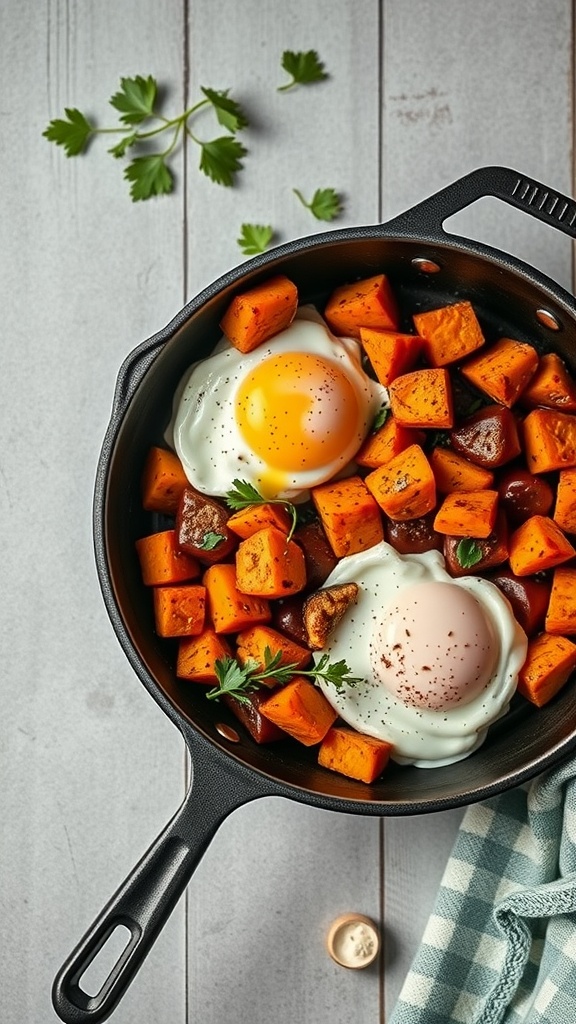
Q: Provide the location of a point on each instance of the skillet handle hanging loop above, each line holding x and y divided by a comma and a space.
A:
526, 194
144, 902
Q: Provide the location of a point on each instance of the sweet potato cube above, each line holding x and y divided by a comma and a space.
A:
260, 312
179, 611
229, 610
549, 440
561, 612
197, 656
389, 352
366, 303
549, 664
467, 513
502, 371
251, 646
349, 514
163, 481
386, 442
404, 487
249, 520
270, 565
301, 710
538, 544
161, 560
449, 333
551, 386
422, 398
453, 472
354, 754
565, 507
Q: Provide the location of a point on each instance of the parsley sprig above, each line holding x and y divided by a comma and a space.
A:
255, 238
243, 495
141, 122
236, 680
325, 204
304, 68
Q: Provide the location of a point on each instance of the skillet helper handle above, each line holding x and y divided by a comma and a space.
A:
146, 899
503, 183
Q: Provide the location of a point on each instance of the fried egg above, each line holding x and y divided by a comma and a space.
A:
438, 657
285, 417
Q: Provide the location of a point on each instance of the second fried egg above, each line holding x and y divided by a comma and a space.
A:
438, 657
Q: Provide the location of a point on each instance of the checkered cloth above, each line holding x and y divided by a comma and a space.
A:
500, 945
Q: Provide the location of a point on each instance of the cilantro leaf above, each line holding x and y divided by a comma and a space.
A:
72, 134
468, 552
380, 418
229, 113
237, 680
324, 205
244, 494
221, 158
234, 680
120, 148
136, 99
304, 67
150, 176
255, 238
211, 540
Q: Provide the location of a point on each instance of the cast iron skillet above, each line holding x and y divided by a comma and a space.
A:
509, 297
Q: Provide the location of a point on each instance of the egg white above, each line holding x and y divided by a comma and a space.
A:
204, 431
419, 736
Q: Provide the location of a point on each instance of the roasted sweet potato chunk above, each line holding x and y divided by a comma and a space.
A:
449, 333
549, 664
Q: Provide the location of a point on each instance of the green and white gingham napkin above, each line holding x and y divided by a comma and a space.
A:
500, 944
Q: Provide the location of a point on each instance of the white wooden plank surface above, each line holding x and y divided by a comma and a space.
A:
420, 92
90, 768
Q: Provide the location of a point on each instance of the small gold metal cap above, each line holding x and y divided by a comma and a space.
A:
353, 941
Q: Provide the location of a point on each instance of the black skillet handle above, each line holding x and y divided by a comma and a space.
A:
146, 899
526, 194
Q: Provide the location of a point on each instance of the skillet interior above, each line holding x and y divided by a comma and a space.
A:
517, 747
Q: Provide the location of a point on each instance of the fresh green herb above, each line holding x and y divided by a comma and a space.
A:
255, 238
73, 133
380, 418
237, 680
211, 540
304, 68
140, 120
324, 205
468, 553
243, 495
439, 439
474, 406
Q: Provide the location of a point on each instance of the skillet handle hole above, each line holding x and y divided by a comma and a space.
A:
109, 955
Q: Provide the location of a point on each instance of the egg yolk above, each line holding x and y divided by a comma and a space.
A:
298, 412
434, 648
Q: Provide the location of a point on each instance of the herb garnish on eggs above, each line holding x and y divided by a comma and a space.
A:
236, 680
